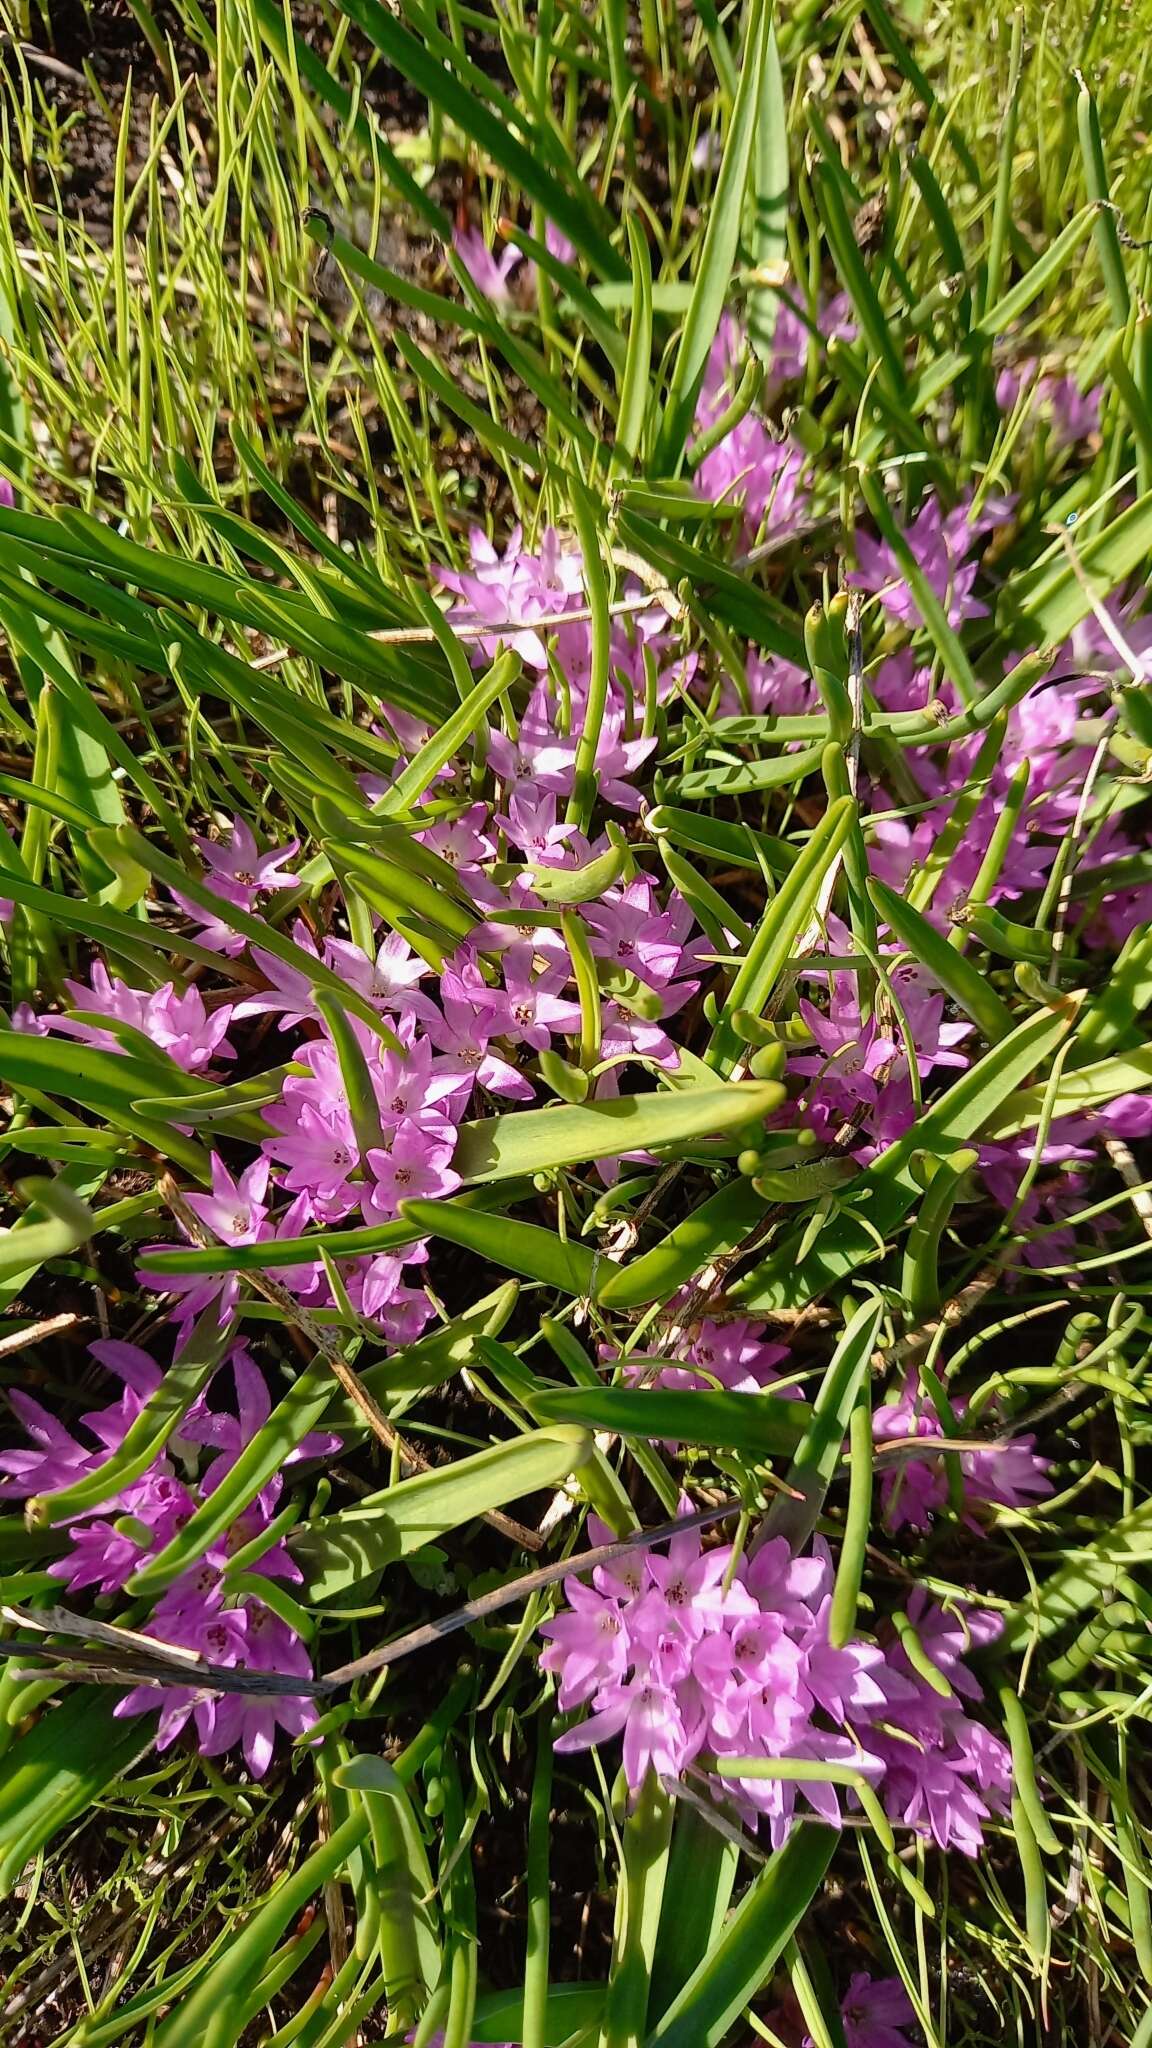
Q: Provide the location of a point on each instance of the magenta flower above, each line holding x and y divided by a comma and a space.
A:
240, 871
105, 1553
913, 1491
942, 543
516, 587
234, 1211
216, 1634
474, 1015
318, 1146
417, 1162
249, 1722
463, 842
534, 1010
557, 243
180, 1025
489, 273
1074, 415
765, 476
876, 2012
55, 1462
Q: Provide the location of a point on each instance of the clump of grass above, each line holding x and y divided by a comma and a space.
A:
517, 1038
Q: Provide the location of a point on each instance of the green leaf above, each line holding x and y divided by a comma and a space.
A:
713, 590
814, 1465
1087, 1577
575, 212
784, 919
717, 1226
57, 1221
571, 886
713, 282
889, 1188
448, 739
1045, 603
752, 1943
149, 1431
315, 1395
953, 971
573, 1133
398, 1882
56, 1771
770, 198
1078, 1089
106, 1083
702, 1869
760, 1425
570, 2010
522, 1248
636, 382
340, 1550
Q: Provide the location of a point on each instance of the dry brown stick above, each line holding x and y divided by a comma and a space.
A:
19, 1340
503, 1596
1121, 1156
334, 1358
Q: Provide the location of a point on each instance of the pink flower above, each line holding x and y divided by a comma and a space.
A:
915, 1489
589, 1646
534, 1011
473, 1015
1074, 414
417, 1162
489, 273
249, 1722
557, 243
180, 1025
234, 1211
875, 2011
764, 475
942, 544
241, 869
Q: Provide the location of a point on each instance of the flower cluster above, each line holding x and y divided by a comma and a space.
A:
1004, 1474
201, 1610
707, 1353
703, 1655
699, 1655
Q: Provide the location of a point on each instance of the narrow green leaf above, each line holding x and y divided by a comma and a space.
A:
752, 1943
408, 788
785, 918
522, 1248
636, 382
571, 1134
713, 282
185, 1379
106, 1083
888, 1188
770, 199
340, 1550
760, 1425
717, 1226
953, 971
58, 1769
1087, 1578
55, 1223
818, 1454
